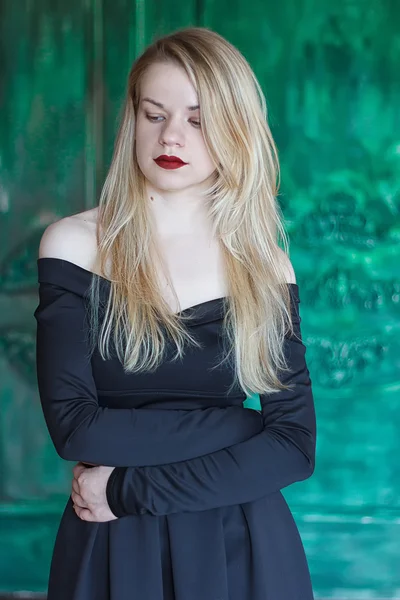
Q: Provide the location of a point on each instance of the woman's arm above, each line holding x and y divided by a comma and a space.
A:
283, 453
83, 431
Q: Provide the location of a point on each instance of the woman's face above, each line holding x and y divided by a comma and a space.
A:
168, 123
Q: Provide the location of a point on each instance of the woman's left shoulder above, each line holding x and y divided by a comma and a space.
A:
290, 276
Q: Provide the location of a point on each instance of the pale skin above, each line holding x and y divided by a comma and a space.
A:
191, 254
89, 493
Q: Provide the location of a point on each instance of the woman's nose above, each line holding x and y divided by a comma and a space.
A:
171, 134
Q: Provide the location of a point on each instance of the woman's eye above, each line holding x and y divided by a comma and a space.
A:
153, 119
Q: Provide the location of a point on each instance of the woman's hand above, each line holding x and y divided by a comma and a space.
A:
89, 493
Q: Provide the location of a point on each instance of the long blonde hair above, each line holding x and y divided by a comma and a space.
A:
244, 213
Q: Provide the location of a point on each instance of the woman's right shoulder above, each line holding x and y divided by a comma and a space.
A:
72, 238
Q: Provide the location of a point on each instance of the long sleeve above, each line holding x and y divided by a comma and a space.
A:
281, 454
81, 430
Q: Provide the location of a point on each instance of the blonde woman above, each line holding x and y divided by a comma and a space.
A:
163, 313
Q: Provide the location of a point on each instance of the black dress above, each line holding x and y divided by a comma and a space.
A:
198, 477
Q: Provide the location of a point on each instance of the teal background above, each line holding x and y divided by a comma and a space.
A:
330, 72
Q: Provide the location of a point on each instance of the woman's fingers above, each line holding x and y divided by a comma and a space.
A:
84, 514
78, 469
78, 500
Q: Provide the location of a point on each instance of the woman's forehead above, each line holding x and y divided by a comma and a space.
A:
168, 85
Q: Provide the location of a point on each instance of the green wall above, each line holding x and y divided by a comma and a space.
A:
330, 72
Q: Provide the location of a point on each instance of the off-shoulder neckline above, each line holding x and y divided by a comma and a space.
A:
82, 269
89, 273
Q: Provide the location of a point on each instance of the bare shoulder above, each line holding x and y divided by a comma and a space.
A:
72, 238
290, 276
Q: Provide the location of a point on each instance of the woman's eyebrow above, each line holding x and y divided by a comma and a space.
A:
195, 107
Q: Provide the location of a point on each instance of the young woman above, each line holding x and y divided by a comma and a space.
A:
163, 313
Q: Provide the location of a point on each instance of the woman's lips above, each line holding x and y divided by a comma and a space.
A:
169, 164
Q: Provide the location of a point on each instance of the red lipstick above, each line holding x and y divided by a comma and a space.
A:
169, 162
